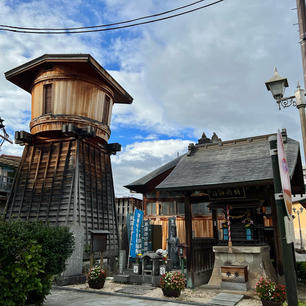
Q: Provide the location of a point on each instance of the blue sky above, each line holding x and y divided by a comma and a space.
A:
202, 72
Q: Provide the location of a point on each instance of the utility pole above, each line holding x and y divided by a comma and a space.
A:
301, 11
286, 248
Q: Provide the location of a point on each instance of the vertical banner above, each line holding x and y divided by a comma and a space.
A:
284, 174
138, 216
286, 188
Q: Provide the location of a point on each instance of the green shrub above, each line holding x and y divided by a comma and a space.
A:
57, 244
31, 253
20, 264
301, 270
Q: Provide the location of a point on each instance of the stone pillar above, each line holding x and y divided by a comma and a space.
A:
73, 272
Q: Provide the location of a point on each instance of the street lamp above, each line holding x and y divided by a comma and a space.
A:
298, 211
277, 85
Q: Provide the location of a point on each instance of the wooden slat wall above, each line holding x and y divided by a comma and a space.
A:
43, 182
85, 98
66, 181
97, 200
201, 227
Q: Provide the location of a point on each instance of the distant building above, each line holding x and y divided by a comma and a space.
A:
125, 206
8, 167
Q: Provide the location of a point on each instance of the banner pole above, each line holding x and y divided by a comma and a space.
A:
286, 248
230, 250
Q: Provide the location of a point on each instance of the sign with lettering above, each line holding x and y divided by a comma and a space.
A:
138, 216
226, 193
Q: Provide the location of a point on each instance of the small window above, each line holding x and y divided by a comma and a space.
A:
106, 110
180, 208
47, 99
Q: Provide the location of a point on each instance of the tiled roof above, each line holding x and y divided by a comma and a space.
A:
10, 160
228, 162
147, 178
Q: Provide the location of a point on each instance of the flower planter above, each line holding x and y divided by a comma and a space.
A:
170, 292
271, 303
96, 284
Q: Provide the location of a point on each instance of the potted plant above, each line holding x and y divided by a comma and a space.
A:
96, 277
270, 293
172, 283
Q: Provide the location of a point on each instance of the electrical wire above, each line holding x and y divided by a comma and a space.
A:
41, 31
104, 25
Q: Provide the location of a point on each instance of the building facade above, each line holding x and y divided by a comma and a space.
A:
65, 174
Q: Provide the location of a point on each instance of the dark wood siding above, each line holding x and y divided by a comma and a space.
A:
64, 182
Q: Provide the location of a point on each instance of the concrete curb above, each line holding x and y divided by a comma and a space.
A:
148, 298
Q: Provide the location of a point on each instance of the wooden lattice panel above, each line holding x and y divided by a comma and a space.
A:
66, 181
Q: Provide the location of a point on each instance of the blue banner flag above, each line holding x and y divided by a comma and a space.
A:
138, 216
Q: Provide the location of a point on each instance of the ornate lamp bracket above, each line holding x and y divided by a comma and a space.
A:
286, 102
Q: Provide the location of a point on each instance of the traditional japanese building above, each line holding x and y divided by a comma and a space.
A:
65, 174
235, 180
8, 167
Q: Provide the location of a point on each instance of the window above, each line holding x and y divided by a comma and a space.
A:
47, 97
168, 208
200, 209
151, 209
180, 208
106, 109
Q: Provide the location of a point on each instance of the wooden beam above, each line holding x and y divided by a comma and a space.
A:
215, 223
188, 229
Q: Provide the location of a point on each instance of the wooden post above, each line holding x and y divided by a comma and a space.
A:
230, 244
215, 223
188, 228
91, 259
101, 259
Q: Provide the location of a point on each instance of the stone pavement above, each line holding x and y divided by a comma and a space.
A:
226, 299
59, 297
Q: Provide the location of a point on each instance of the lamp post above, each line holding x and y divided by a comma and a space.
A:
298, 211
277, 86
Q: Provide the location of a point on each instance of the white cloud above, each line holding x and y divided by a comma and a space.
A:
203, 71
207, 70
138, 159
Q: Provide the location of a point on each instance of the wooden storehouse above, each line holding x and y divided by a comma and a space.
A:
65, 174
234, 177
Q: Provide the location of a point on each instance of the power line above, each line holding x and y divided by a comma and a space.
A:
103, 25
41, 30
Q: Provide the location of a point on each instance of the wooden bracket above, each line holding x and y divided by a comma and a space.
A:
23, 137
113, 148
72, 130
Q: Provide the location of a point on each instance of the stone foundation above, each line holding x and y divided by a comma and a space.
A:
257, 258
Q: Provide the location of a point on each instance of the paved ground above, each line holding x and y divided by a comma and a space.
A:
74, 298
226, 299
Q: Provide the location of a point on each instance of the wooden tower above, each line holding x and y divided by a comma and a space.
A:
65, 174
